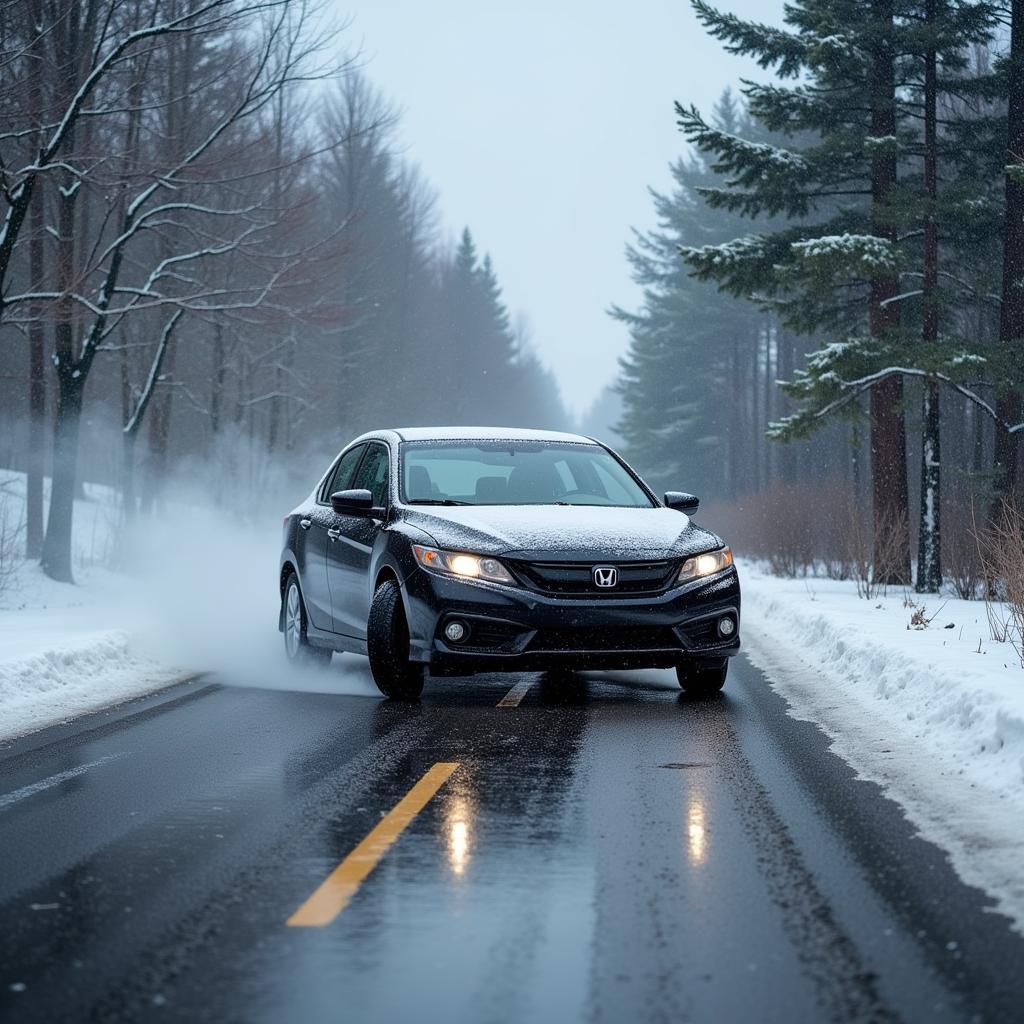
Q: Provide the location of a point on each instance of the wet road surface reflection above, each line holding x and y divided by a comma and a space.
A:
510, 848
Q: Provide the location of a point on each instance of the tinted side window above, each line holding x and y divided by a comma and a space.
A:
373, 474
341, 478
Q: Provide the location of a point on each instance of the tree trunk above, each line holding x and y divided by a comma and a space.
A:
735, 420
755, 411
219, 376
129, 503
56, 558
36, 330
159, 436
768, 384
274, 417
128, 491
1011, 319
929, 551
855, 460
888, 431
36, 389
788, 452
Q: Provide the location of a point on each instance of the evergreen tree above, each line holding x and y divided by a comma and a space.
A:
690, 345
483, 380
1011, 323
837, 266
437, 319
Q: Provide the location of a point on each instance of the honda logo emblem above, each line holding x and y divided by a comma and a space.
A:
605, 575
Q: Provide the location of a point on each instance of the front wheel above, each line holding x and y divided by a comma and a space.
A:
702, 679
387, 643
296, 643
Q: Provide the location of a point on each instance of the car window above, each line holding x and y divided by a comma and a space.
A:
373, 474
516, 473
611, 485
565, 475
341, 478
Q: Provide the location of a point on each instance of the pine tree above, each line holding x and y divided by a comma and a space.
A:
485, 381
1011, 323
837, 266
682, 418
929, 550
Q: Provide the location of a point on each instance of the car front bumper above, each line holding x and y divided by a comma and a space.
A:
517, 629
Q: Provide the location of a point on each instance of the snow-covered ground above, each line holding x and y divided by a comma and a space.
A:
68, 650
934, 715
199, 597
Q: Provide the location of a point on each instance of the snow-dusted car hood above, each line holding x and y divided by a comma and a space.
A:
563, 531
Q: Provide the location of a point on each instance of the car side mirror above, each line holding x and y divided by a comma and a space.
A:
356, 502
682, 502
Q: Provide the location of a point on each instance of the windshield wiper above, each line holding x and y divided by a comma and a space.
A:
437, 501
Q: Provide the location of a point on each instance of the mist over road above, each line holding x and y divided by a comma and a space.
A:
613, 851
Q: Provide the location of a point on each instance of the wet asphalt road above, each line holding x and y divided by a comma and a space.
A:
610, 852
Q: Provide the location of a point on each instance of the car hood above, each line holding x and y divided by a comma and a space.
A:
563, 531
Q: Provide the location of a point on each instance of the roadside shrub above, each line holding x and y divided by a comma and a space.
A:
11, 529
873, 560
961, 553
797, 528
1001, 547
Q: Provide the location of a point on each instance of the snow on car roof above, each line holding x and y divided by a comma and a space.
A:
485, 434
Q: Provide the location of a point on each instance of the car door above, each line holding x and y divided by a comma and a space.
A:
315, 589
351, 544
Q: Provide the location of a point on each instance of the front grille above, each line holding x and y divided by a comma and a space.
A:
569, 578
607, 638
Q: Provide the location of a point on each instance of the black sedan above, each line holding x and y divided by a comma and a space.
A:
483, 549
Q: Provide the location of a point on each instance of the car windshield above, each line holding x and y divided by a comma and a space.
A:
516, 473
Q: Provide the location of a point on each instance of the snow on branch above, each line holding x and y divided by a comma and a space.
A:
759, 177
867, 255
135, 420
728, 254
852, 389
735, 153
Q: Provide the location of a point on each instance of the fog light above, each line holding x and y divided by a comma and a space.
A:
726, 626
455, 631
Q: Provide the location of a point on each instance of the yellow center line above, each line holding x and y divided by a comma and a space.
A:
341, 884
515, 695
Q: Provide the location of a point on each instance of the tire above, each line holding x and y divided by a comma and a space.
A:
701, 679
387, 643
297, 647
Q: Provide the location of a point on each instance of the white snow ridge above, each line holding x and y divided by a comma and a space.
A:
935, 716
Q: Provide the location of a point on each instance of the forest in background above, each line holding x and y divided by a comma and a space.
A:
215, 263
831, 333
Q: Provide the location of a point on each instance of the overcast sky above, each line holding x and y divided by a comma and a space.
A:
541, 124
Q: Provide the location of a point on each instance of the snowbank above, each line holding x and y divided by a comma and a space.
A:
200, 597
67, 650
934, 715
69, 675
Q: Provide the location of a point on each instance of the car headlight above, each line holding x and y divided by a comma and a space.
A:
705, 565
460, 563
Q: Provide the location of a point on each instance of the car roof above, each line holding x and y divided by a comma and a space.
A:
479, 434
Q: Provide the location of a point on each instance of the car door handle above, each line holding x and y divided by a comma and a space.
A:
334, 534
305, 523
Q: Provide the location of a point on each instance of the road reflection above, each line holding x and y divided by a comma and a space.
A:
695, 831
459, 823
